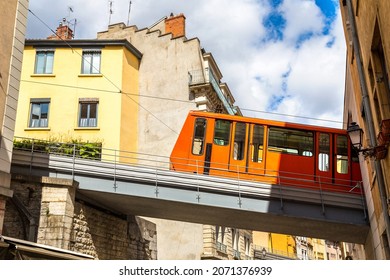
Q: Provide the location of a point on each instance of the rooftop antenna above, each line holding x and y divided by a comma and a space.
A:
70, 10
110, 12
71, 22
128, 15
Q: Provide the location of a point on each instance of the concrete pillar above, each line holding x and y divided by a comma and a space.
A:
57, 210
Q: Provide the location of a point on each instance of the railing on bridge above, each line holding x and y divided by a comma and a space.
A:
79, 158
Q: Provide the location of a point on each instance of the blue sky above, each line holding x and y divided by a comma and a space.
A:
280, 56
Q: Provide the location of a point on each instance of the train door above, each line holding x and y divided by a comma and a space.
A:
341, 167
238, 150
256, 153
324, 160
218, 152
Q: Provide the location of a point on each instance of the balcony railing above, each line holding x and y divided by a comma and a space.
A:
197, 77
221, 247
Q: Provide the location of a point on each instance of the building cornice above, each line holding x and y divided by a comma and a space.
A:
44, 43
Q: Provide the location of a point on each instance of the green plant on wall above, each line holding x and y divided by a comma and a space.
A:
78, 148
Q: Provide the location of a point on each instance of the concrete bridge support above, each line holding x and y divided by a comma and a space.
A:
48, 211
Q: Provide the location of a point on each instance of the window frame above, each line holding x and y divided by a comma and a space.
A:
89, 65
40, 102
257, 143
342, 160
287, 148
239, 147
221, 135
45, 61
197, 138
88, 102
324, 152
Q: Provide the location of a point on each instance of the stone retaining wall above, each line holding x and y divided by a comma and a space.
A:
45, 210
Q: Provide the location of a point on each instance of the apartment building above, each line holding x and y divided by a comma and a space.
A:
13, 14
80, 91
367, 113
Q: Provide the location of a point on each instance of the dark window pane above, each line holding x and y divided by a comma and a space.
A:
324, 152
199, 134
239, 141
222, 132
342, 154
290, 141
257, 142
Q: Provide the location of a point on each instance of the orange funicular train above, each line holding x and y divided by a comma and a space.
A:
274, 152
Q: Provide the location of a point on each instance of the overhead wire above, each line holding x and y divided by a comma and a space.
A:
182, 101
109, 91
293, 116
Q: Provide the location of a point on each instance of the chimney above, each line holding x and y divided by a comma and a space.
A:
63, 32
176, 25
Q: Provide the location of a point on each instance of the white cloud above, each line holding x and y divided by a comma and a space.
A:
302, 17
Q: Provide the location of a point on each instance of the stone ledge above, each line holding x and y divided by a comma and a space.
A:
6, 192
58, 182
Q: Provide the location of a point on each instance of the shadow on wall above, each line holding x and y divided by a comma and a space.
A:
107, 236
75, 225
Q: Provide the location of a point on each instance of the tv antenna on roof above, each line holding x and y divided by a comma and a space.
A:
110, 11
128, 15
71, 23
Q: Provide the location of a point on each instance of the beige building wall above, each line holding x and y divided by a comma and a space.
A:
165, 98
13, 14
163, 74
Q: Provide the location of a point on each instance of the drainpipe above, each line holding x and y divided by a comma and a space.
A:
368, 113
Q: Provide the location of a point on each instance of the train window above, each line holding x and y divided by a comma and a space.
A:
342, 154
239, 141
324, 152
222, 132
199, 135
290, 141
257, 143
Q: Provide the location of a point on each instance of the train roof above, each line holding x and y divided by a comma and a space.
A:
268, 122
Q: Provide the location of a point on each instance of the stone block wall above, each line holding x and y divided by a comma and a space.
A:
45, 210
109, 236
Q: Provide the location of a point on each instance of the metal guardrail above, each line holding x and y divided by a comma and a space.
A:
130, 166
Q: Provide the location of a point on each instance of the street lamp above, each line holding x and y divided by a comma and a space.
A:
355, 134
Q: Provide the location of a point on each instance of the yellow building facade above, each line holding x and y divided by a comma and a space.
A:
80, 90
274, 245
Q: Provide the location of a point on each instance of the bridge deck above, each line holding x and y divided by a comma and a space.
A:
161, 193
